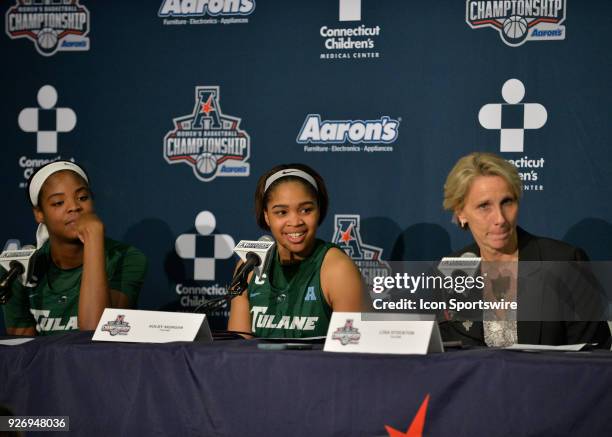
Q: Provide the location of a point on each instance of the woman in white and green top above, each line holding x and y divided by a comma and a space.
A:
308, 279
79, 271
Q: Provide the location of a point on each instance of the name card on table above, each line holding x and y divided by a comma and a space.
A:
383, 333
139, 326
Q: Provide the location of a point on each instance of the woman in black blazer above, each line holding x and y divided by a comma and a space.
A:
483, 191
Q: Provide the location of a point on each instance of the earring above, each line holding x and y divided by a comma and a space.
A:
463, 224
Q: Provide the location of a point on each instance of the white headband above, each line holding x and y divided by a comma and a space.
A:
290, 172
41, 176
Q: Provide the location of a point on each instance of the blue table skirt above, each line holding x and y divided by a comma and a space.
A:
232, 388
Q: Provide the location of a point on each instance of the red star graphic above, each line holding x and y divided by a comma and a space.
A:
416, 427
207, 107
346, 236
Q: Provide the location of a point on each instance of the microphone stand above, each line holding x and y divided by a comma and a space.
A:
16, 269
239, 284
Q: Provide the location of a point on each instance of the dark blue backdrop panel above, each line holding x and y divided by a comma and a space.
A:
420, 65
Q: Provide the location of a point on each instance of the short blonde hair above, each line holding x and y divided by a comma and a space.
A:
460, 178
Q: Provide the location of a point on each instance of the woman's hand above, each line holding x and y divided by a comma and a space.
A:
95, 294
89, 228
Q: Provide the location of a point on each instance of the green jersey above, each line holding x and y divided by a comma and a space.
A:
52, 306
287, 301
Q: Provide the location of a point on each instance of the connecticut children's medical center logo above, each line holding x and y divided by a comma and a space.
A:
513, 119
47, 119
204, 247
209, 141
518, 21
53, 25
350, 39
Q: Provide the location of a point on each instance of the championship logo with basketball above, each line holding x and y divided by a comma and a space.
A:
519, 21
208, 140
347, 334
53, 25
117, 327
368, 258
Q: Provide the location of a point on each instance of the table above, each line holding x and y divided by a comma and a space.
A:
232, 388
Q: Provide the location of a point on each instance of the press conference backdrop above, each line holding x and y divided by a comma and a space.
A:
175, 108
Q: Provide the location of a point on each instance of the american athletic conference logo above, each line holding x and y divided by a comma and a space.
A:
208, 140
347, 235
53, 25
519, 21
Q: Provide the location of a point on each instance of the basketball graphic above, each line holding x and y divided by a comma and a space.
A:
47, 38
208, 140
206, 164
515, 29
52, 25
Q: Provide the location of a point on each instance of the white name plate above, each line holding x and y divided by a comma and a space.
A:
139, 326
383, 333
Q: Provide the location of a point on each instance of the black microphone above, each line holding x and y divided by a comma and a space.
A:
17, 263
252, 261
255, 256
465, 265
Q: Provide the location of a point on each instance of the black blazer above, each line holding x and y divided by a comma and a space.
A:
551, 295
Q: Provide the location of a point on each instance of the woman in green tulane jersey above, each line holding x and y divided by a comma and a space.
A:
79, 271
308, 278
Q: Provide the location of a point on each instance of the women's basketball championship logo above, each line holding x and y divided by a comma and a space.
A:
211, 142
117, 327
519, 21
347, 236
53, 25
347, 334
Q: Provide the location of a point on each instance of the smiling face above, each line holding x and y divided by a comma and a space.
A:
292, 214
63, 198
491, 211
